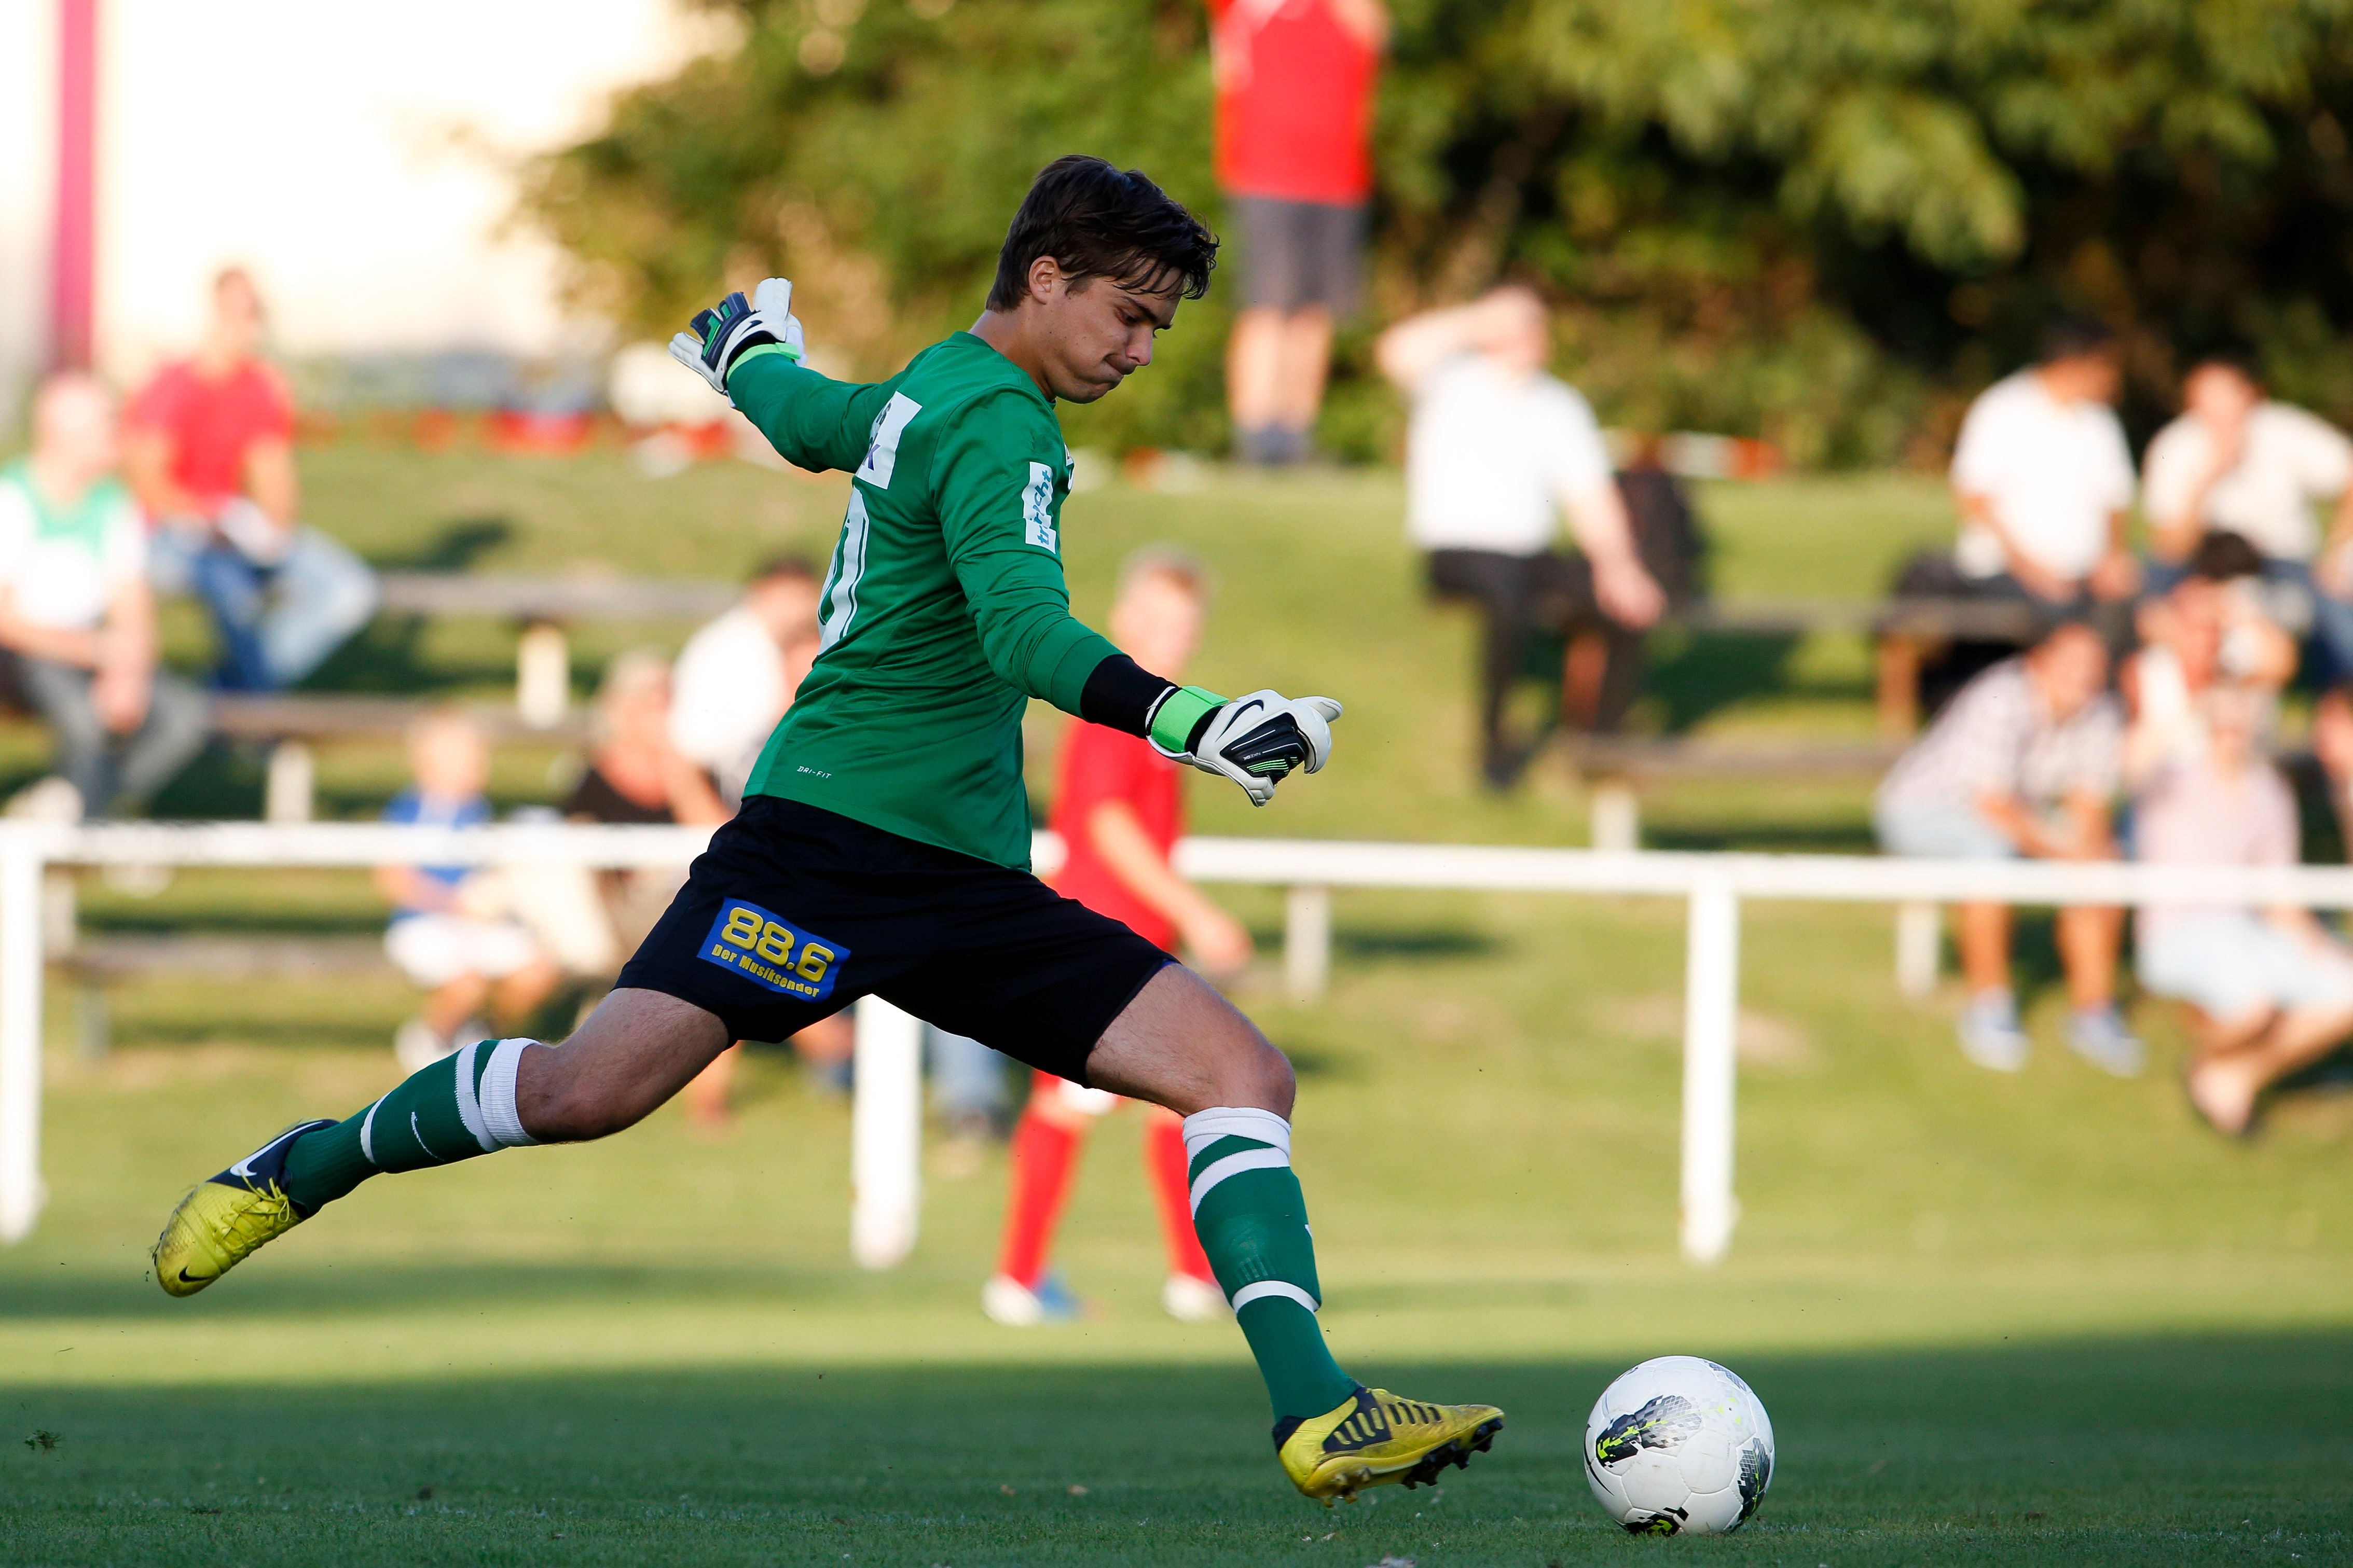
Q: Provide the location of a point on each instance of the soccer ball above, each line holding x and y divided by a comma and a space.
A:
1679, 1446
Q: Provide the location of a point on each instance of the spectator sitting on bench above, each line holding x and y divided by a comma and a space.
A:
76, 609
2234, 460
2274, 990
1497, 449
2042, 477
211, 455
2024, 762
2211, 626
737, 675
450, 932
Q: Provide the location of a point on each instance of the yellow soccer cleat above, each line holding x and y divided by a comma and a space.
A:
1375, 1438
220, 1222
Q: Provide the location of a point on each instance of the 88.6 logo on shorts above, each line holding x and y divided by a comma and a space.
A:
770, 952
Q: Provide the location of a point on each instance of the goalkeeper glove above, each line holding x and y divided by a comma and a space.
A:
1255, 741
720, 337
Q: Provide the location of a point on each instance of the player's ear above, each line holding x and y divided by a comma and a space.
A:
1046, 278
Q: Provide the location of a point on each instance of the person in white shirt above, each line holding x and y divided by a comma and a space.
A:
1497, 451
737, 675
2235, 461
76, 610
2042, 475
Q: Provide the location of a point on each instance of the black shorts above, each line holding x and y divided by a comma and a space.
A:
795, 912
1297, 253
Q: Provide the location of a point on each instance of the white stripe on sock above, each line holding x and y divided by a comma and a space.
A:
499, 1113
1234, 1165
1204, 1128
1260, 1289
470, 1110
367, 1134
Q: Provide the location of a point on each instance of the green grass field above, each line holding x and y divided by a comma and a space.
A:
2035, 1319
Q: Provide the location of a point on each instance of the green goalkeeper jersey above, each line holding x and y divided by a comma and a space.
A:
945, 609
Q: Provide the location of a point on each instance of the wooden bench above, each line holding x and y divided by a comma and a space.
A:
293, 725
92, 964
1613, 765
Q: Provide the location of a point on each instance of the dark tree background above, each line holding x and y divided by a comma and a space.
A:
1821, 221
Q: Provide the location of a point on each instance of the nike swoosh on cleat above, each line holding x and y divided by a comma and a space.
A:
188, 1279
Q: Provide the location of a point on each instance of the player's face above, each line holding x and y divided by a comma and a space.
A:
1095, 334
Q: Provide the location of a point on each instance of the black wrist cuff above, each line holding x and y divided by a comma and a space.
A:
1122, 695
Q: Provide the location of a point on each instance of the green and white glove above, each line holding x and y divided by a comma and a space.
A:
1256, 741
720, 338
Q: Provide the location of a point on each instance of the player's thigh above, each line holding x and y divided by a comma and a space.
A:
1182, 1046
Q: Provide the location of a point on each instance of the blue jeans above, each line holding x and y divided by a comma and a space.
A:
968, 1078
277, 623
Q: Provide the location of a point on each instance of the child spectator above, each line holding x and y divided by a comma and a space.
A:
1496, 452
2274, 990
1120, 811
737, 675
445, 934
76, 609
2024, 762
2210, 626
211, 455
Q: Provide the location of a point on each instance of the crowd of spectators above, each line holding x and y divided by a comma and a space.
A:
2042, 754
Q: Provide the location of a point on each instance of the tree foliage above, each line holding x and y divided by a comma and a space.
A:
1819, 220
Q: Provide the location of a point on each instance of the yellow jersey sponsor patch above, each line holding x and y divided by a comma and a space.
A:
770, 952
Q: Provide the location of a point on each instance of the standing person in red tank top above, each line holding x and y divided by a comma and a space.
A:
1120, 810
1294, 85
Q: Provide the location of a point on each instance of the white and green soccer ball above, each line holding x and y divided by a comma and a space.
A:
1679, 1446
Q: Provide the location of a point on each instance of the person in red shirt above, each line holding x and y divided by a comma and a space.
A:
209, 451
1120, 811
1294, 101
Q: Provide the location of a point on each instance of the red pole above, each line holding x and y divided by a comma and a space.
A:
73, 255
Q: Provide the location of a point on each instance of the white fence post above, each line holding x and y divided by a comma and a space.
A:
1918, 936
886, 1135
290, 790
1306, 942
1711, 1017
1617, 817
20, 1035
543, 675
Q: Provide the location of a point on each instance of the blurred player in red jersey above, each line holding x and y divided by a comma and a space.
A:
1120, 809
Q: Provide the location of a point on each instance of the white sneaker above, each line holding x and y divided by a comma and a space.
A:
1191, 1300
416, 1045
1009, 1302
1990, 1036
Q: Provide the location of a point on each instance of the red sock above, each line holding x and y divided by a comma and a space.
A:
1041, 1157
1164, 1155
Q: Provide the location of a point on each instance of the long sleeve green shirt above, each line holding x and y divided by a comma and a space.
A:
945, 609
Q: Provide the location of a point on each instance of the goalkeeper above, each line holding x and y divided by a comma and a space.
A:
883, 842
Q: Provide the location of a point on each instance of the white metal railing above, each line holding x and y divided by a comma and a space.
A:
886, 1124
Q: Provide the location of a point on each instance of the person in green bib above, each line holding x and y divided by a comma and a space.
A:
76, 610
883, 843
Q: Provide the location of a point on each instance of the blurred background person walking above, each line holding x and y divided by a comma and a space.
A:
2024, 762
210, 453
1294, 111
1120, 809
77, 612
2237, 461
1498, 451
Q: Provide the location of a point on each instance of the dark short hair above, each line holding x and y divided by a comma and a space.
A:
787, 565
2072, 337
2224, 556
1097, 221
2238, 362
2052, 621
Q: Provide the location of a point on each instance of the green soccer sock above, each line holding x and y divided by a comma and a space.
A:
462, 1106
1252, 1222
